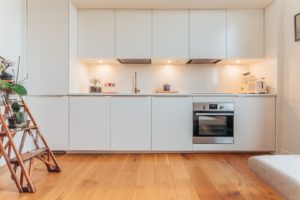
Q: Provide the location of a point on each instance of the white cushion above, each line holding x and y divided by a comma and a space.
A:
281, 171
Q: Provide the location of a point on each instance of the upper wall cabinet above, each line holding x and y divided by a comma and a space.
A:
133, 34
208, 34
96, 31
245, 33
170, 34
47, 47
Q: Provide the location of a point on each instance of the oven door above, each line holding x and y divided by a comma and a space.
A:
213, 127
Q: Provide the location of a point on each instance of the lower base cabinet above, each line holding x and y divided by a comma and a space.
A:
51, 114
172, 124
255, 124
90, 123
131, 123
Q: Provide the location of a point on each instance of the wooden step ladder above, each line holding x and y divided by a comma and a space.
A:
15, 158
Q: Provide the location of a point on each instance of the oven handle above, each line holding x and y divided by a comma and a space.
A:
214, 114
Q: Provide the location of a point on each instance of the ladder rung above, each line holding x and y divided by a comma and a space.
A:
3, 134
23, 129
29, 154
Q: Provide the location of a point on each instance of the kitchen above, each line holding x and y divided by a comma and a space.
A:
155, 77
99, 39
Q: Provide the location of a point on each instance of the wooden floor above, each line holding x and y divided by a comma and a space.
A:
144, 176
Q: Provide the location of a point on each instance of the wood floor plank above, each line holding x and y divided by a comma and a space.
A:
184, 187
143, 177
164, 183
203, 185
126, 185
241, 166
225, 188
247, 190
145, 180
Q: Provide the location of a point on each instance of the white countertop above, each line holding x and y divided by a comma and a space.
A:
173, 94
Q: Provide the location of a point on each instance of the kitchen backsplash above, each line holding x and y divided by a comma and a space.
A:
183, 78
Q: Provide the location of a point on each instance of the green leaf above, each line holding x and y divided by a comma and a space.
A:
4, 84
19, 89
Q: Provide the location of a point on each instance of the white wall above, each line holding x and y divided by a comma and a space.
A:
12, 33
290, 81
268, 67
12, 16
184, 78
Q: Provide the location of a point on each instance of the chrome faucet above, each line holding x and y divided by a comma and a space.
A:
135, 89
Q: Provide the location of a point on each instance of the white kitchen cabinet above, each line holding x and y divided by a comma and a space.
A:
254, 124
51, 115
131, 123
90, 123
245, 33
208, 34
47, 47
170, 34
96, 36
172, 124
133, 34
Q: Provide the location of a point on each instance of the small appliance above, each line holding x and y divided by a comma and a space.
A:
257, 87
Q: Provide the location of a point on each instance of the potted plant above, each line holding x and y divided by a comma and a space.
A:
95, 87
10, 87
18, 119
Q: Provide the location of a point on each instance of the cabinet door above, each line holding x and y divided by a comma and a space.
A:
208, 34
170, 34
51, 115
245, 33
89, 123
47, 47
254, 128
96, 33
133, 33
131, 123
172, 124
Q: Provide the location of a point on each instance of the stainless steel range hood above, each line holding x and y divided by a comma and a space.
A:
135, 61
203, 61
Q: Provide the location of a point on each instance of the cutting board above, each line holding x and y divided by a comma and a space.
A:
166, 92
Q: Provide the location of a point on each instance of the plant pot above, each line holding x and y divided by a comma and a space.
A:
6, 76
99, 89
93, 89
20, 118
11, 122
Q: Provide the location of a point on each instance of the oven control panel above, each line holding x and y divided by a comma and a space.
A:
213, 106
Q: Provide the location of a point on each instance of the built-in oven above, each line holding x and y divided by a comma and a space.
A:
213, 123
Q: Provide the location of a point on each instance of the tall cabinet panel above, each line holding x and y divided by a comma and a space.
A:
96, 33
90, 123
208, 34
245, 33
131, 123
51, 115
170, 34
133, 34
47, 46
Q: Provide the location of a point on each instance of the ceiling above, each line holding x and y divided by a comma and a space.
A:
172, 4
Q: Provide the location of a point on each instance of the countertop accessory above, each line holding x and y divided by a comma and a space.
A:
95, 87
166, 87
166, 92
